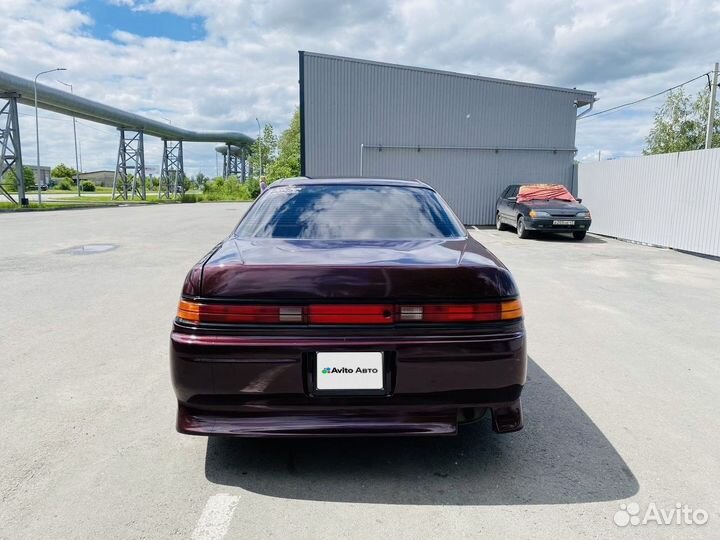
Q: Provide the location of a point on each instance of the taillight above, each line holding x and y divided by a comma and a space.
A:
234, 314
461, 313
196, 313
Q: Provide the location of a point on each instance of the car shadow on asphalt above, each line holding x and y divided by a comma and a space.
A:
560, 457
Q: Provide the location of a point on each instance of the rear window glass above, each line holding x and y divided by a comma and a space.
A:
349, 212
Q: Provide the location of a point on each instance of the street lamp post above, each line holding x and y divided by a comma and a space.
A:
37, 130
77, 162
260, 145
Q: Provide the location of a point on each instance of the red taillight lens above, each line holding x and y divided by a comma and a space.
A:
196, 313
461, 312
350, 314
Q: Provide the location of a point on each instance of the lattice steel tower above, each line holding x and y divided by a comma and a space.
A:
172, 171
131, 156
10, 153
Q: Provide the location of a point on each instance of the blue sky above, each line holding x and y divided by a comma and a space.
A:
219, 64
108, 17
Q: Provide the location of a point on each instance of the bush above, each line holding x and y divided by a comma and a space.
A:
191, 198
87, 185
66, 184
253, 187
230, 189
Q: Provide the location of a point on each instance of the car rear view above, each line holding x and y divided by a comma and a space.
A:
347, 307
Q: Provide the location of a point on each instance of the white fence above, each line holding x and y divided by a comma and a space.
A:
670, 200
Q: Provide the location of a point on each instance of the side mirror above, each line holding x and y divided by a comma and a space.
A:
579, 200
513, 199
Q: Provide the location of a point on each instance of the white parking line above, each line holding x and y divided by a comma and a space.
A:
216, 517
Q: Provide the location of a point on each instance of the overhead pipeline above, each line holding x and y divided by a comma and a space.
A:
63, 102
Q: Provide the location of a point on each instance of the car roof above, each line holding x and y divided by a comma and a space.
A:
355, 181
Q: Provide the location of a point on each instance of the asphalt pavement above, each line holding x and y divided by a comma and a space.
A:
620, 403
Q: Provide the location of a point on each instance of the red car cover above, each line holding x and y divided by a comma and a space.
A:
544, 192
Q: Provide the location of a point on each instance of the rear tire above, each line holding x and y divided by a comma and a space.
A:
522, 232
579, 235
499, 225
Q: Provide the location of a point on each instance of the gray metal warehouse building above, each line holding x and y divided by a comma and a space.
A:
465, 135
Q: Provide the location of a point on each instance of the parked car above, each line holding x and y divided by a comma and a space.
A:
541, 208
347, 307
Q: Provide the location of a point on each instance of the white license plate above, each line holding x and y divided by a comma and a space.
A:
563, 222
349, 371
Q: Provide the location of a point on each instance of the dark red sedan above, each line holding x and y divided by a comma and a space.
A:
348, 307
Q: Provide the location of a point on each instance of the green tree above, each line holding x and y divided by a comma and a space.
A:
10, 180
63, 171
680, 124
287, 163
268, 144
200, 179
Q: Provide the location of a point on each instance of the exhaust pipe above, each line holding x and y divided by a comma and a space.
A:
508, 418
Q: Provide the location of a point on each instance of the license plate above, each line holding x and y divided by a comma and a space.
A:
349, 371
563, 222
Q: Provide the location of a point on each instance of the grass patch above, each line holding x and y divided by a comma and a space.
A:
73, 201
150, 199
35, 207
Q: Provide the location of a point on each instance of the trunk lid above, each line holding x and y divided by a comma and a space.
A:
274, 270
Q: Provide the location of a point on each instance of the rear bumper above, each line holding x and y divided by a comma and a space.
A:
546, 224
332, 422
262, 386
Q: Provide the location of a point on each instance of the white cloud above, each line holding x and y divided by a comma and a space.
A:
246, 66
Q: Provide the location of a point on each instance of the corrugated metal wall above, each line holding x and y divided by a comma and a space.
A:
517, 132
469, 180
668, 200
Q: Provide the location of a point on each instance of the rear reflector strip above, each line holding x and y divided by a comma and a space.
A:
196, 313
350, 314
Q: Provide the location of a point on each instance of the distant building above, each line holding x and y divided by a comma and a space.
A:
99, 178
467, 136
43, 177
